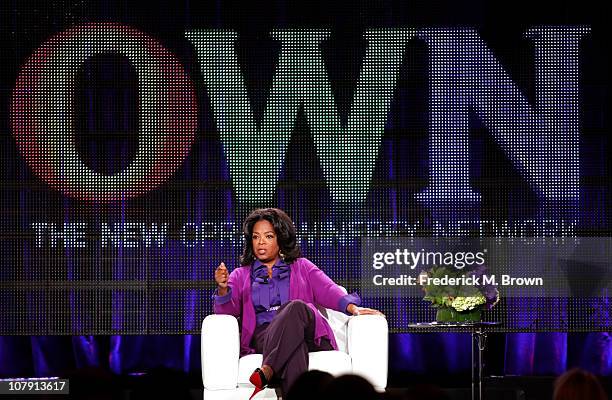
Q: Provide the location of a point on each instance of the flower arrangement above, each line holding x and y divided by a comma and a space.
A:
458, 301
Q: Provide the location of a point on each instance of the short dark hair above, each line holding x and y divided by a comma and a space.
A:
283, 227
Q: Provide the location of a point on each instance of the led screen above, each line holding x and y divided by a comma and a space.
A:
136, 139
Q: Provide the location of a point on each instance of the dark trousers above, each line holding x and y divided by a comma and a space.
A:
286, 341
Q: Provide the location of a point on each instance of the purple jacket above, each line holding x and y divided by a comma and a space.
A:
307, 283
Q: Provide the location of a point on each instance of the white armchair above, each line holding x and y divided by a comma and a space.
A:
362, 350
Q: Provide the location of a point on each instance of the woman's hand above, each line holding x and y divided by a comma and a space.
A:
221, 277
355, 310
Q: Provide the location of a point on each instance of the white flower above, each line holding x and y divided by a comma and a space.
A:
462, 303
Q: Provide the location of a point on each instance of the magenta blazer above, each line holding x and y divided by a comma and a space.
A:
307, 283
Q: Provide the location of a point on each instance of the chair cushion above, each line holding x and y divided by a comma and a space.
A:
334, 362
247, 365
339, 323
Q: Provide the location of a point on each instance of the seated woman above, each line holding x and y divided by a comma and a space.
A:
275, 293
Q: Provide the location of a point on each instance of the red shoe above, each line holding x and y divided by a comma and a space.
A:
258, 378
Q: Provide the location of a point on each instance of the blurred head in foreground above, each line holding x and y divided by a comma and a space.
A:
578, 384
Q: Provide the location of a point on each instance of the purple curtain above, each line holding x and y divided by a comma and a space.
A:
524, 353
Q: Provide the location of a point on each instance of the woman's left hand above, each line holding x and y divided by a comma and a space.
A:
355, 310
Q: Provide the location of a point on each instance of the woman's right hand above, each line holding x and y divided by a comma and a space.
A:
221, 277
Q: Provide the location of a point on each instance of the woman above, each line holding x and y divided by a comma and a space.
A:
275, 293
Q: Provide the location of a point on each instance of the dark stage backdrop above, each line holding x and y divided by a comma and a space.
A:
136, 136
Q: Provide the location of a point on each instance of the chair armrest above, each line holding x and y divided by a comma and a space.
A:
368, 346
220, 352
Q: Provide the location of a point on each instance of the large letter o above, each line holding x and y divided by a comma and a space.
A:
42, 112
